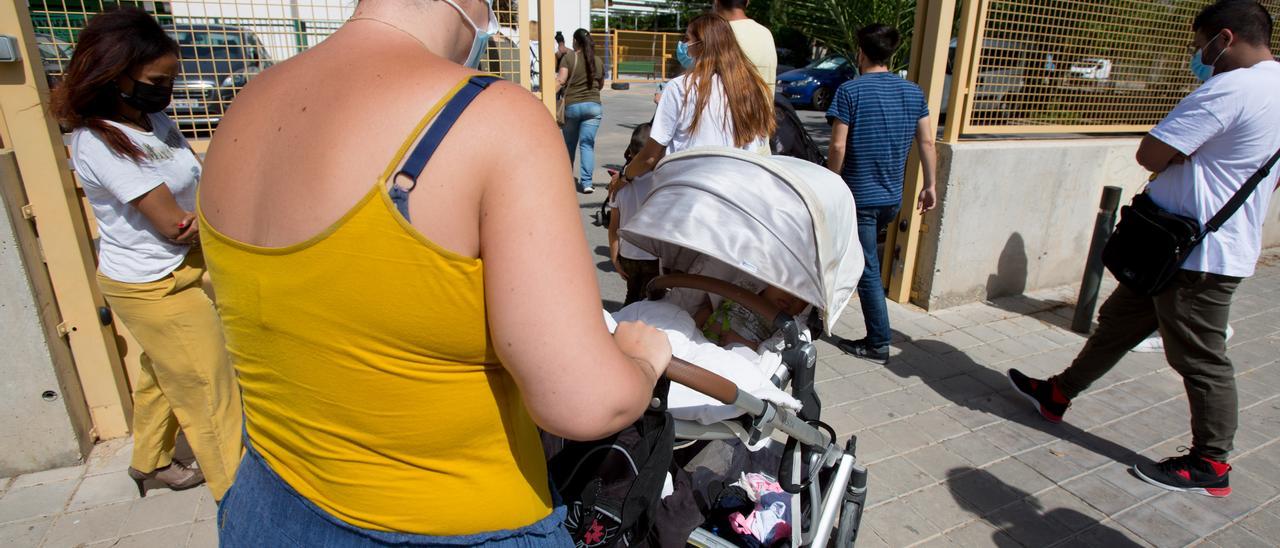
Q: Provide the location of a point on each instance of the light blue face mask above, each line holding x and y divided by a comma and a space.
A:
481, 41
682, 55
1198, 67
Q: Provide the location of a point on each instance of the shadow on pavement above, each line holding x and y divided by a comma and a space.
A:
955, 376
1025, 522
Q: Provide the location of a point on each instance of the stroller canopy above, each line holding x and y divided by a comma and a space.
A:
740, 216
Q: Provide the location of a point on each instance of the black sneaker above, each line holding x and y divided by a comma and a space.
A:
1189, 472
861, 349
1048, 400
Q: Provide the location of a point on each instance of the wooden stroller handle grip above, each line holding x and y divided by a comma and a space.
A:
751, 301
701, 380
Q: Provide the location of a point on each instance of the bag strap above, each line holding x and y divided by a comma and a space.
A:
1240, 196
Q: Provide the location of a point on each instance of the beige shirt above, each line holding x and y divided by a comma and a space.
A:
757, 42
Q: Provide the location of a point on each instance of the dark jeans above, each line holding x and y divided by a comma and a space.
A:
1192, 318
638, 274
870, 288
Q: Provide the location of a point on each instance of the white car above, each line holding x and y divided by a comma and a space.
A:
1092, 69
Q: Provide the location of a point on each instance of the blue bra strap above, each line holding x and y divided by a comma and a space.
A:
426, 147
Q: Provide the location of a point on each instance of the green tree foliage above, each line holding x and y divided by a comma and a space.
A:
834, 24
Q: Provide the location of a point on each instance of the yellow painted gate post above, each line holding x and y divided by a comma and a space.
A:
932, 39
547, 51
60, 224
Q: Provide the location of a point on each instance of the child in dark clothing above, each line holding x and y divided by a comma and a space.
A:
633, 264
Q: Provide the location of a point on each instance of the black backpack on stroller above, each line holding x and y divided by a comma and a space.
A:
791, 139
612, 487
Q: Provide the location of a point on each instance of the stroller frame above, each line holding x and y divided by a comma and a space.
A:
821, 475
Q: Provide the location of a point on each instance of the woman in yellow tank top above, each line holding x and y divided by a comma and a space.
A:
406, 301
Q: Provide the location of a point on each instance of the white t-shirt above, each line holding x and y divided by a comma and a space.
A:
1228, 128
627, 201
715, 127
130, 249
757, 42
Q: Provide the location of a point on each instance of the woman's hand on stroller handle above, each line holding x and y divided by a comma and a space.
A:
646, 346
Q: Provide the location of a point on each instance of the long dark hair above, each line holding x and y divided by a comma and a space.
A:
112, 44
750, 103
583, 43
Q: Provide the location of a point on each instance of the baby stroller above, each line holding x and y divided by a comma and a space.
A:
726, 220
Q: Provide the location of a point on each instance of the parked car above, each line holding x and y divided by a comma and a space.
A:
815, 84
1092, 69
1000, 78
217, 60
55, 55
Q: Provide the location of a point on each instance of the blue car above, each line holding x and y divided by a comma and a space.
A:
816, 84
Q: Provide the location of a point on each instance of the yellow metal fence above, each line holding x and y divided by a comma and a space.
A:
637, 56
224, 44
1052, 66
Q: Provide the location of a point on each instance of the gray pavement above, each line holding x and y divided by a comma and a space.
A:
955, 458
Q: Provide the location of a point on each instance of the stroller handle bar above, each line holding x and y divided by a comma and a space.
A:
753, 302
702, 380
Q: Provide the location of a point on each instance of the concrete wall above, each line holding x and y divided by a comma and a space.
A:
1017, 216
44, 421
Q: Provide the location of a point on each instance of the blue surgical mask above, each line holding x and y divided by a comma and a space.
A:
481, 41
682, 55
1198, 67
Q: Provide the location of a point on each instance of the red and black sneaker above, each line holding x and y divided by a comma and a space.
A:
1045, 395
1190, 472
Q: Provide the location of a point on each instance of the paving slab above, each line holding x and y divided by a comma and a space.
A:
162, 510
1154, 527
87, 526
105, 489
24, 533
899, 525
169, 536
46, 499
48, 476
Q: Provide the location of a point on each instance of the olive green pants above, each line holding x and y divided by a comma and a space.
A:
186, 380
1191, 315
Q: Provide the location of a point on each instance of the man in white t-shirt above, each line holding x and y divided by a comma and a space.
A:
1203, 152
755, 39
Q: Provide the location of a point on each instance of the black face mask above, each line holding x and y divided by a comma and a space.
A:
148, 98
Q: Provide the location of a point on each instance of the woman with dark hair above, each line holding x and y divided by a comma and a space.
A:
720, 100
581, 75
140, 176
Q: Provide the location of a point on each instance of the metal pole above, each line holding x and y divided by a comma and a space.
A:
1102, 228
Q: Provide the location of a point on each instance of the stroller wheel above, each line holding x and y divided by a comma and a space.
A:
850, 519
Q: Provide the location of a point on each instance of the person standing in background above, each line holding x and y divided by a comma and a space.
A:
560, 47
1202, 153
875, 117
140, 177
719, 101
755, 39
581, 75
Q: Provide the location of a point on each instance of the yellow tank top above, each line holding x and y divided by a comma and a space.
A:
370, 384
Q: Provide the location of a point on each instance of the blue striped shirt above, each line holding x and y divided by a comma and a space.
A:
881, 110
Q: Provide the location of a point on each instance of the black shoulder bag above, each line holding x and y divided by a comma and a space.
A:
1150, 244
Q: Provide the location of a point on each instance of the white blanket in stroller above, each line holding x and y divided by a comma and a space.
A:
751, 372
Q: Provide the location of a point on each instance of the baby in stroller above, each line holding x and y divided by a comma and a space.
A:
730, 323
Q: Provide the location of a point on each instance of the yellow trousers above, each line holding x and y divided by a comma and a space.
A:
186, 380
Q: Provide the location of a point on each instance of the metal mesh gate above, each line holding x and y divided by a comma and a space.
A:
1042, 66
224, 44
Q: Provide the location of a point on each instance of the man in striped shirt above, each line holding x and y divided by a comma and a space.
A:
874, 119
